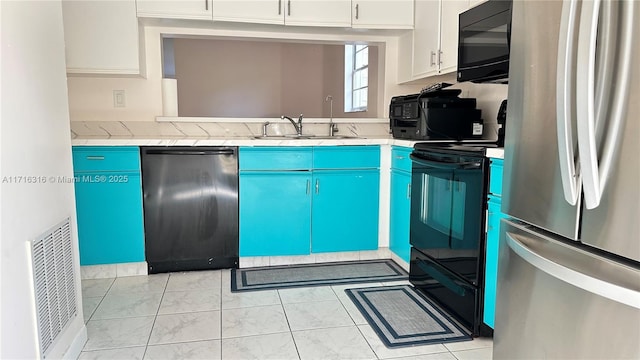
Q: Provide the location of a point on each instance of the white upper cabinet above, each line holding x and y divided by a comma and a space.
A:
382, 14
335, 13
435, 37
175, 9
473, 3
449, 27
101, 37
249, 11
426, 38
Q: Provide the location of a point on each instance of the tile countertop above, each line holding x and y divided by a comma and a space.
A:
238, 141
239, 132
496, 153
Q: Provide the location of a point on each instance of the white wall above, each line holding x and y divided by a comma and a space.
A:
91, 98
34, 142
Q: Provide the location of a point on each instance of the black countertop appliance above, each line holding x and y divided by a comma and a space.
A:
440, 115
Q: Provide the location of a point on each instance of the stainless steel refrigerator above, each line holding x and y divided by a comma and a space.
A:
569, 263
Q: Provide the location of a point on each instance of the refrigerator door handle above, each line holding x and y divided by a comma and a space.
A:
605, 65
564, 103
577, 275
596, 173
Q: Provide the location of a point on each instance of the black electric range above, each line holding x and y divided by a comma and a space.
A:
447, 227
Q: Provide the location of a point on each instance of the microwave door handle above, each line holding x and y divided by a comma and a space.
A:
564, 105
445, 165
595, 179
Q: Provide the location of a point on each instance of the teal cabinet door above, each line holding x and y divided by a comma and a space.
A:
108, 192
275, 213
345, 210
399, 214
110, 220
491, 265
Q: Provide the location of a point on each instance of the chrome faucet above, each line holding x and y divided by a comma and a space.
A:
333, 128
297, 125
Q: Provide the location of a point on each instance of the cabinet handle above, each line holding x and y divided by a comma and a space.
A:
95, 157
433, 61
308, 186
399, 157
279, 7
409, 191
357, 11
289, 7
439, 57
206, 5
317, 186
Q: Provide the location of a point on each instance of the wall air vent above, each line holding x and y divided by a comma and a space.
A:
54, 283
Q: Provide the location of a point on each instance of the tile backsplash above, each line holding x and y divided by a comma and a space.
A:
204, 130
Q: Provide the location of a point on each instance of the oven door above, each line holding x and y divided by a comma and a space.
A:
447, 211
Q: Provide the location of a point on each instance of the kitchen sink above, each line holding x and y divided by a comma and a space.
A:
306, 137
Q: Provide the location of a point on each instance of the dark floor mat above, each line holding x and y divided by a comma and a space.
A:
401, 316
349, 272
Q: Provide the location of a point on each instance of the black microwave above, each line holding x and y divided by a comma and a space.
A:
484, 38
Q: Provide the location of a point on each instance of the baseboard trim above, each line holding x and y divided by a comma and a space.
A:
74, 350
260, 261
107, 271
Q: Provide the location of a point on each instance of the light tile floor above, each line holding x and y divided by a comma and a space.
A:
194, 315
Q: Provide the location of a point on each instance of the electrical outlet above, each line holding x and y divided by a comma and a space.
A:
118, 99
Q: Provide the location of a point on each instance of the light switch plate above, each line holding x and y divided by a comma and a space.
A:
118, 99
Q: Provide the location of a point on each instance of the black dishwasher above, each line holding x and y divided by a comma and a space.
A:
190, 197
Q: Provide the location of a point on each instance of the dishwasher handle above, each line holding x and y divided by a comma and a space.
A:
192, 152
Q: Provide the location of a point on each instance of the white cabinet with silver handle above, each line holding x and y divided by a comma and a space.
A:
174, 9
382, 14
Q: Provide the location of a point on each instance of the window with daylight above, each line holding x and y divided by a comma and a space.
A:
356, 77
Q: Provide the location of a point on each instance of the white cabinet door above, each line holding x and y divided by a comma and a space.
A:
426, 36
451, 10
250, 11
175, 9
318, 13
382, 14
101, 37
473, 3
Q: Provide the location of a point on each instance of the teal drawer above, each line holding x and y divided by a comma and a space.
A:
106, 158
400, 158
275, 158
346, 157
495, 177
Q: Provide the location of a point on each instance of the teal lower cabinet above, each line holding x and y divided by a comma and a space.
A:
400, 206
491, 263
303, 200
399, 214
345, 210
108, 192
275, 213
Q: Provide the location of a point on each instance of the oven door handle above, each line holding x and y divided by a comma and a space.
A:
446, 165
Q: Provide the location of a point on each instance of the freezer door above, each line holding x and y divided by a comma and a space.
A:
533, 190
614, 225
555, 301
